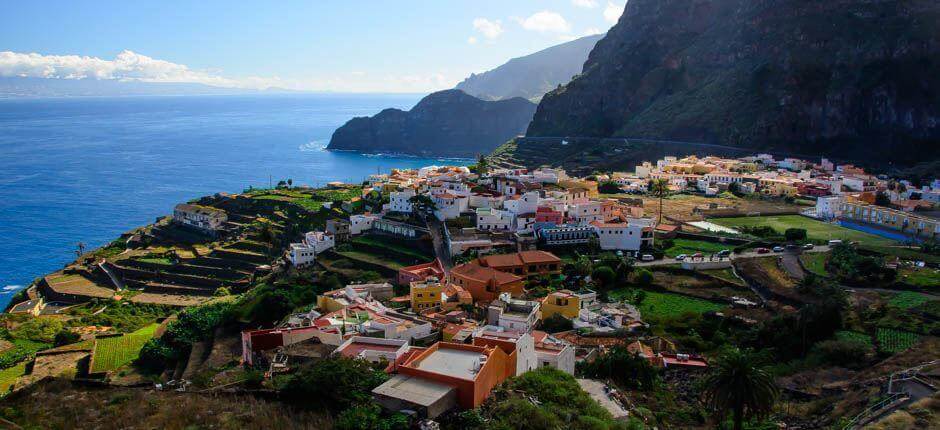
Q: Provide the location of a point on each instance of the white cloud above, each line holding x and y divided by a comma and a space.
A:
613, 11
127, 65
472, 40
545, 22
589, 4
130, 66
592, 31
489, 29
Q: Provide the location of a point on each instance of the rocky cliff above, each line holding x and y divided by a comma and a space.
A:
854, 79
533, 75
446, 123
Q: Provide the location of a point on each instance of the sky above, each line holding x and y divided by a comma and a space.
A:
318, 45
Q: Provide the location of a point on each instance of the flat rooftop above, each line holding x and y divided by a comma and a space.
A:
417, 391
452, 362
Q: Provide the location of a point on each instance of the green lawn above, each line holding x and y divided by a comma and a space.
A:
372, 258
921, 277
908, 299
658, 305
690, 246
395, 247
8, 376
815, 262
816, 230
114, 352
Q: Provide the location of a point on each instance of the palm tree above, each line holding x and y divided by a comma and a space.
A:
737, 384
659, 188
482, 165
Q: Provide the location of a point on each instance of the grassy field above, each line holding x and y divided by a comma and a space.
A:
724, 274
8, 376
658, 305
381, 243
372, 258
854, 336
815, 230
114, 352
815, 262
903, 253
908, 299
690, 246
921, 277
894, 341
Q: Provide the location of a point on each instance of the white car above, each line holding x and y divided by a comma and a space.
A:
778, 249
681, 257
647, 257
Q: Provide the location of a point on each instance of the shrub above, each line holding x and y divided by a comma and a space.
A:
604, 276
627, 369
335, 383
643, 278
841, 352
369, 417
38, 330
795, 234
556, 323
65, 337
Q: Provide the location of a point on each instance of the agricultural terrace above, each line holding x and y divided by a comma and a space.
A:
893, 341
308, 199
815, 263
919, 276
817, 231
114, 352
908, 299
660, 305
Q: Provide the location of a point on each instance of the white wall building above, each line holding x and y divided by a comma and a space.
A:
494, 220
302, 255
586, 212
399, 201
319, 240
513, 314
524, 203
559, 356
625, 236
361, 223
449, 206
829, 207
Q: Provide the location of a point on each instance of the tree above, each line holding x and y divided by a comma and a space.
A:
882, 199
795, 234
483, 165
336, 383
556, 323
65, 337
609, 187
604, 277
659, 188
625, 368
290, 183
739, 386
423, 203
643, 278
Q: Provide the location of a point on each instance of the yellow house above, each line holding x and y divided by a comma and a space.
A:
562, 302
425, 295
332, 301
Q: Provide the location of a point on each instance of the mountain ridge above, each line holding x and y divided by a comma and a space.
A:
848, 78
467, 125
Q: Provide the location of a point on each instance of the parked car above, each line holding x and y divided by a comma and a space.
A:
697, 255
793, 247
762, 250
778, 249
808, 246
724, 253
681, 257
647, 257
835, 242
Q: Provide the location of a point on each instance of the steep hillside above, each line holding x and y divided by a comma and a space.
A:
446, 123
853, 79
533, 75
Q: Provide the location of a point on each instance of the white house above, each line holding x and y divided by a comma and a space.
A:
557, 355
400, 201
524, 222
494, 220
485, 201
373, 349
204, 218
513, 314
586, 213
829, 207
449, 206
524, 203
361, 223
320, 241
526, 358
625, 236
302, 255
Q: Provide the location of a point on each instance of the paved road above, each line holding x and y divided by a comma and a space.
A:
440, 244
596, 390
748, 254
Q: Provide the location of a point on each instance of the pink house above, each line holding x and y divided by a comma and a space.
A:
547, 214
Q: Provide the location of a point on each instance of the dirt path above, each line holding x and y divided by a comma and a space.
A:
596, 390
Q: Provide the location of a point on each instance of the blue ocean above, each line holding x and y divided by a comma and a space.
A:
87, 169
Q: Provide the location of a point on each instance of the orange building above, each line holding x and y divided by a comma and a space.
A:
525, 263
485, 284
473, 370
420, 272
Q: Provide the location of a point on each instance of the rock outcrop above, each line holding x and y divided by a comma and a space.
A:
852, 79
446, 123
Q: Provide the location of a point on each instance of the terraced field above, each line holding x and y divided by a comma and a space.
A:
660, 305
114, 352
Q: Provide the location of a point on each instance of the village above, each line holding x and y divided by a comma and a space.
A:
452, 280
